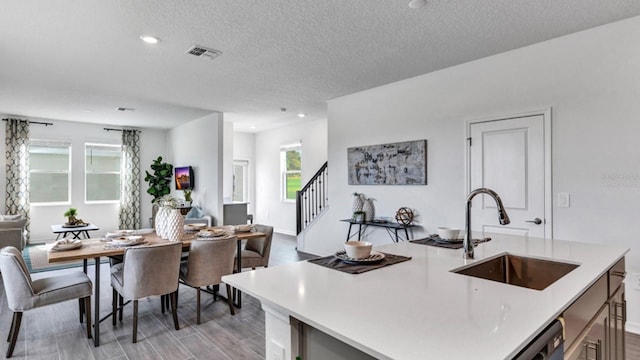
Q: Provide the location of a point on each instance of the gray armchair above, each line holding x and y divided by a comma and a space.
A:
257, 251
147, 271
209, 260
12, 233
26, 294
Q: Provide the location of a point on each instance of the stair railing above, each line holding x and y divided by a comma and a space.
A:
312, 199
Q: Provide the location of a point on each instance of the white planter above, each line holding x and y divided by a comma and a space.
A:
358, 202
160, 222
369, 210
175, 225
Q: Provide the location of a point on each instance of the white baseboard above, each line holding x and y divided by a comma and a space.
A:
632, 327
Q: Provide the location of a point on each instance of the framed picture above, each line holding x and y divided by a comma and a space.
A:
401, 163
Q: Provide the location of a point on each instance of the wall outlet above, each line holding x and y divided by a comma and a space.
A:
563, 200
635, 281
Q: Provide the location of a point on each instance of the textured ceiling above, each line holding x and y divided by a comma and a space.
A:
80, 59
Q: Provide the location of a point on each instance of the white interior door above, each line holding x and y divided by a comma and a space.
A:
509, 157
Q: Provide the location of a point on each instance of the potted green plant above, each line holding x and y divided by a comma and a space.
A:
160, 180
358, 216
71, 216
187, 197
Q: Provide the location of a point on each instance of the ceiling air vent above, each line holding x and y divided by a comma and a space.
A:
203, 52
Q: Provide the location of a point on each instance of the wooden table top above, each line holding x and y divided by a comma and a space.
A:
93, 248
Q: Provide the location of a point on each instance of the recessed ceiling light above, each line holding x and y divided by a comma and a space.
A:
301, 115
252, 127
149, 39
417, 4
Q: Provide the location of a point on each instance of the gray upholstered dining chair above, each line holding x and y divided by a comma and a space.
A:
209, 260
24, 294
147, 271
256, 251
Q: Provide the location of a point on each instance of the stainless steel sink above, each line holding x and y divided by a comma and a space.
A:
516, 270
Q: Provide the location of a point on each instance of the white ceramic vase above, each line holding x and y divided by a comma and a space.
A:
175, 225
369, 210
358, 202
160, 222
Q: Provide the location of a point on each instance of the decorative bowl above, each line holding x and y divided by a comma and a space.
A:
358, 249
448, 233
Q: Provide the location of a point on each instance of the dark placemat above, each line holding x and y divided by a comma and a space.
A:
437, 241
334, 263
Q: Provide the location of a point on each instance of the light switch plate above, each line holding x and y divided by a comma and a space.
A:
563, 200
635, 281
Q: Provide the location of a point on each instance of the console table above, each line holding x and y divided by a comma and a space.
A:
391, 227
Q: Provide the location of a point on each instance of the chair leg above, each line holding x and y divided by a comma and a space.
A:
15, 329
198, 306
87, 305
231, 309
162, 301
135, 321
81, 308
174, 309
114, 305
13, 321
121, 300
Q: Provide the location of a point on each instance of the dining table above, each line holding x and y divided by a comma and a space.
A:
96, 248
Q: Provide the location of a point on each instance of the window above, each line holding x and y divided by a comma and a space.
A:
240, 180
102, 172
50, 172
291, 165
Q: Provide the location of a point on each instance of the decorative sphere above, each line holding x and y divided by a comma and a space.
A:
404, 216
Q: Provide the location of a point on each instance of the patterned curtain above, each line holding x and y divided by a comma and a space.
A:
130, 180
17, 168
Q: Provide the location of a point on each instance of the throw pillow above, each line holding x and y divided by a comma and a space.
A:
11, 224
194, 213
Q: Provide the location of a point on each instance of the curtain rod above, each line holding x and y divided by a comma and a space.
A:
112, 129
35, 122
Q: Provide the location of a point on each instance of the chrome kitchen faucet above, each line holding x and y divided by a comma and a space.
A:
503, 218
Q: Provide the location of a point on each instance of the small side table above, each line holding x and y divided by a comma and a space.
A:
391, 227
75, 231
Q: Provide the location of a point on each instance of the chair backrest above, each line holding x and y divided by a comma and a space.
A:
151, 270
209, 260
261, 245
16, 278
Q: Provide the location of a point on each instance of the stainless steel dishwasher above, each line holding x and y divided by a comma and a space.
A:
548, 345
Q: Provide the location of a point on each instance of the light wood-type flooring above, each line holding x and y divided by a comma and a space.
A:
55, 333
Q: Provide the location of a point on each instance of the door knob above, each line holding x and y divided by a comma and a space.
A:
536, 221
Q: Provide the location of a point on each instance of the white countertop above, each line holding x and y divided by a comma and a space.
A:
419, 309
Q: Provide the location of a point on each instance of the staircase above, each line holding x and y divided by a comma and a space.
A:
312, 199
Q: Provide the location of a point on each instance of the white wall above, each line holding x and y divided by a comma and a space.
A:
199, 143
105, 216
270, 209
591, 80
244, 148
227, 163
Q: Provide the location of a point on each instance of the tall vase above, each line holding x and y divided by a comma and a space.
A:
358, 202
160, 223
175, 225
369, 210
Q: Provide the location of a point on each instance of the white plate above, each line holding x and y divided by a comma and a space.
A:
195, 226
127, 240
67, 246
371, 259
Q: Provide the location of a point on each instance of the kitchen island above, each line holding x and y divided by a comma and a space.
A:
419, 308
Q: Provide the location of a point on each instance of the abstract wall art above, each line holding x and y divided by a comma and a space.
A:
401, 163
